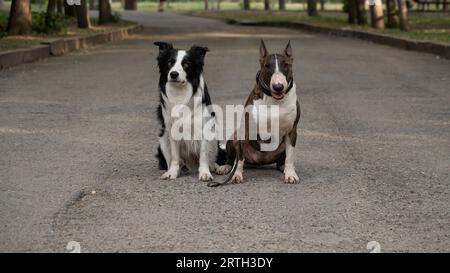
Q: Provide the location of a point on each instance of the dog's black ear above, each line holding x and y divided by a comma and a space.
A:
262, 52
200, 50
288, 50
163, 45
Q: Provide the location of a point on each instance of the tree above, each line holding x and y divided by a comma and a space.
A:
130, 4
206, 5
69, 10
104, 12
246, 4
19, 22
55, 6
60, 6
322, 5
351, 6
1, 4
376, 15
391, 14
51, 7
83, 15
92, 5
312, 7
282, 4
266, 4
403, 15
361, 12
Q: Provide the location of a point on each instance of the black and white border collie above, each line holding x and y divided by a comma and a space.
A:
181, 83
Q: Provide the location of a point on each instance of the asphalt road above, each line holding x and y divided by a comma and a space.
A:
78, 135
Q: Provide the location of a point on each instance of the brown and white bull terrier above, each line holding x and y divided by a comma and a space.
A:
274, 86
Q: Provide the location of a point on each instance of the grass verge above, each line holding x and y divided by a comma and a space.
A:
71, 30
424, 26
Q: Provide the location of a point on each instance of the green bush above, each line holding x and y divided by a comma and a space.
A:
3, 22
49, 23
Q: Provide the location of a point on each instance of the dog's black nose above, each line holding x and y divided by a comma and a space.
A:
174, 75
278, 87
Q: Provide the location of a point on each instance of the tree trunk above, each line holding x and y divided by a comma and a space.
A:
83, 15
361, 12
206, 5
1, 4
322, 5
282, 4
266, 4
51, 7
376, 15
60, 6
351, 11
69, 11
246, 4
445, 5
19, 22
131, 4
312, 7
104, 12
391, 14
403, 15
92, 5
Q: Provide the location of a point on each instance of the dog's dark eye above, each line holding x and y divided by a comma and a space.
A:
185, 65
267, 65
170, 62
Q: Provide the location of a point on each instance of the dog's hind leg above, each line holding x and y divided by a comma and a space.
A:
238, 176
230, 154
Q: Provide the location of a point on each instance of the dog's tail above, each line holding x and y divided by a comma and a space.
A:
227, 179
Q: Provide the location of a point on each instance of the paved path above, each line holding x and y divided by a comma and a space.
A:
373, 153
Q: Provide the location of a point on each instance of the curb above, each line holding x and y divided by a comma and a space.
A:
63, 46
436, 48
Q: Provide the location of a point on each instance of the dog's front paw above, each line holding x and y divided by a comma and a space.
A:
205, 176
291, 177
237, 178
170, 175
224, 169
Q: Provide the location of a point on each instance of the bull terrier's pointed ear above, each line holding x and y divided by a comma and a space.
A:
163, 45
200, 50
288, 50
262, 52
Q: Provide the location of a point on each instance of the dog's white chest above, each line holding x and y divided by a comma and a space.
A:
183, 111
279, 115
